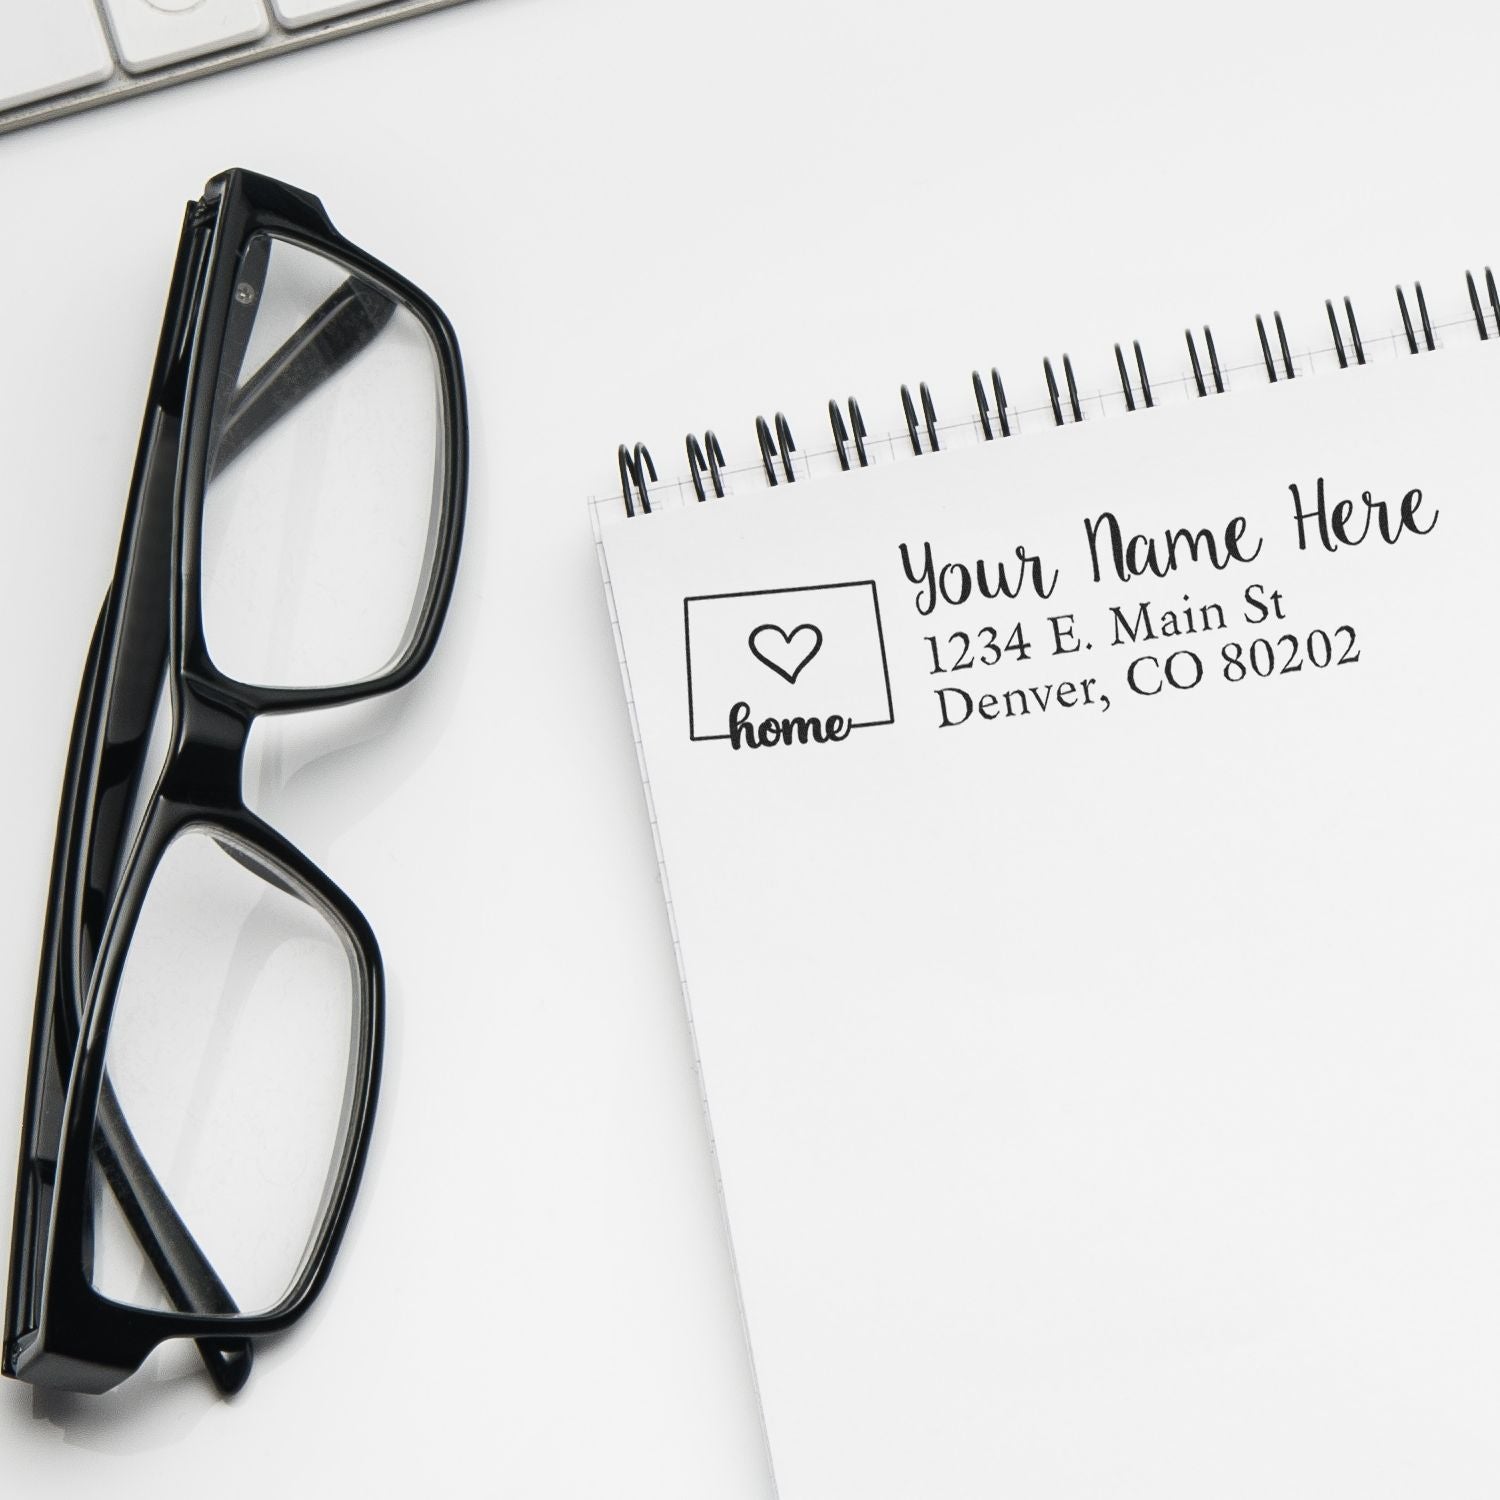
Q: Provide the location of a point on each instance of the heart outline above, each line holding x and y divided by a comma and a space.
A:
788, 637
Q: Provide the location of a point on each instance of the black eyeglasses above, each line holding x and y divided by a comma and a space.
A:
206, 1046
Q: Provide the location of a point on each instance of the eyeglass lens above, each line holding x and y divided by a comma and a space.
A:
325, 473
229, 1067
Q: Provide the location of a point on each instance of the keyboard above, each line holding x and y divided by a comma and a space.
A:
58, 56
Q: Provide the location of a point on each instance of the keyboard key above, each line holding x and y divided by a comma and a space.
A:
48, 47
305, 12
152, 33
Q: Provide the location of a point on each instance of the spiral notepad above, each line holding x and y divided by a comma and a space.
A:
1077, 821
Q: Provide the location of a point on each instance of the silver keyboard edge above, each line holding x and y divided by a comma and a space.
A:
123, 85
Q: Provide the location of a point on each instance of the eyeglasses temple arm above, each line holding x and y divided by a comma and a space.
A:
345, 324
176, 1257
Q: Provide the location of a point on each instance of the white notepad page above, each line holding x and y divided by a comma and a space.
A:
1106, 1099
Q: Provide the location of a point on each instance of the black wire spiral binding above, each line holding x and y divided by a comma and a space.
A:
1489, 285
982, 402
1052, 393
1213, 360
1338, 338
929, 416
1265, 347
769, 446
1484, 332
630, 473
776, 444
1411, 338
1140, 364
841, 433
713, 463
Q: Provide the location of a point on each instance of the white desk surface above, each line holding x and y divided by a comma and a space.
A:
641, 219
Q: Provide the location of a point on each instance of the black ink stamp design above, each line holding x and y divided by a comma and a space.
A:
786, 652
799, 666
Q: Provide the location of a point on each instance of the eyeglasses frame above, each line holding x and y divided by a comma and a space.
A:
60, 1331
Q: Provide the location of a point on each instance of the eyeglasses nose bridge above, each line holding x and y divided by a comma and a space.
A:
208, 748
